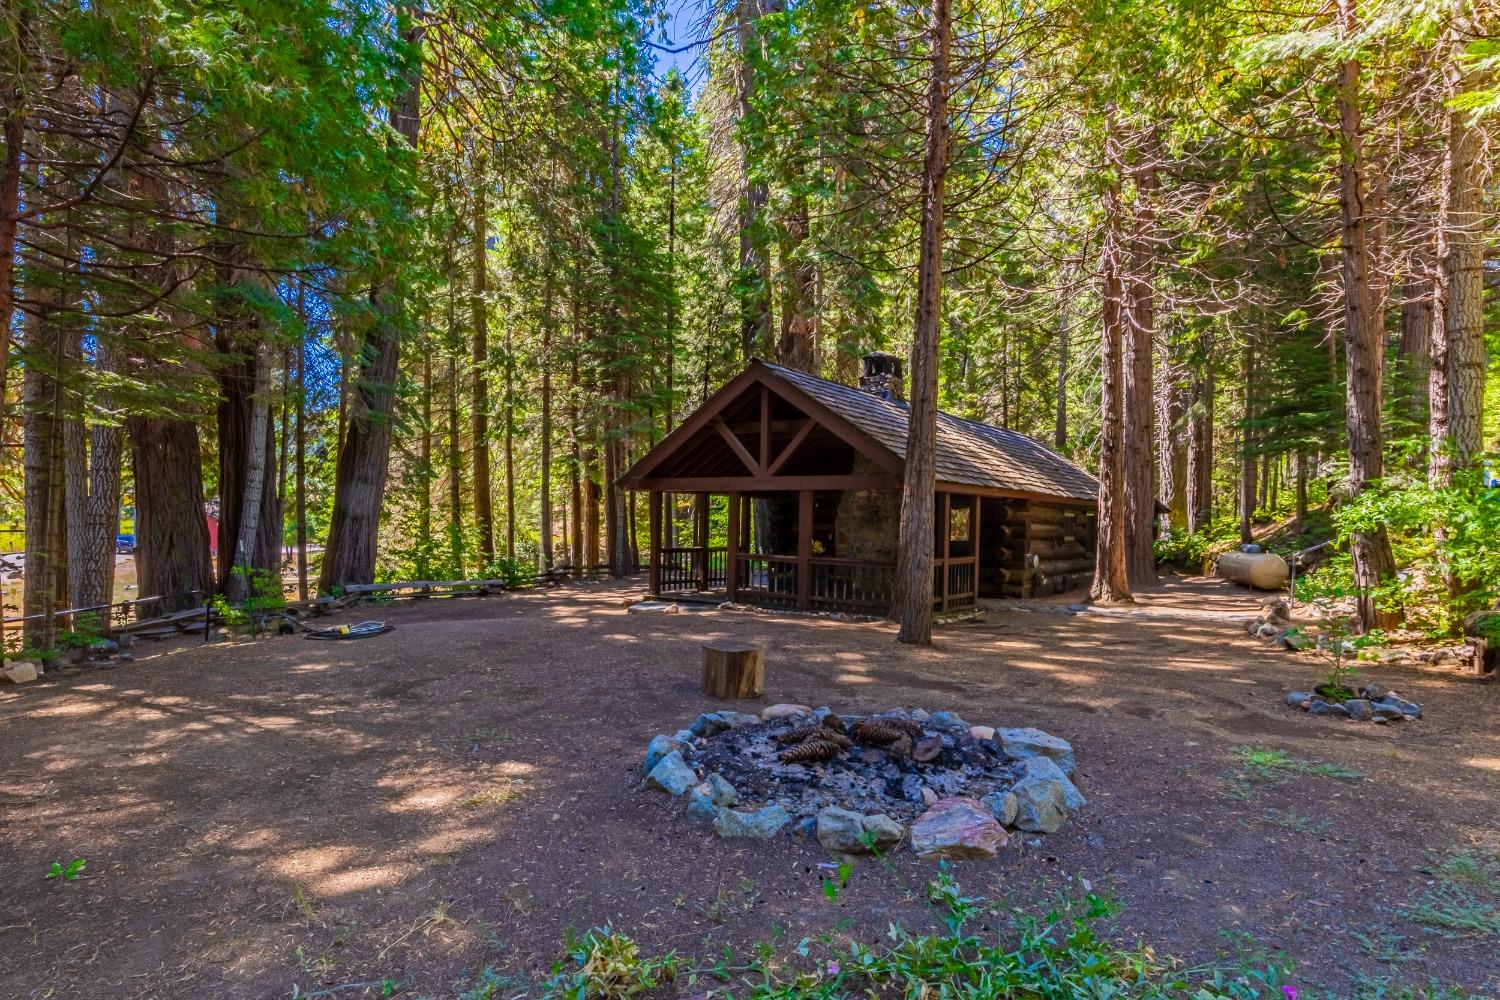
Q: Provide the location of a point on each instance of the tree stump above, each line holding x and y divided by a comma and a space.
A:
733, 669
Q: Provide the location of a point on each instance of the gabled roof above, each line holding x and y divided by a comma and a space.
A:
968, 453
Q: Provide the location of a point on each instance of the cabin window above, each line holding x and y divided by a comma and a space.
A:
958, 524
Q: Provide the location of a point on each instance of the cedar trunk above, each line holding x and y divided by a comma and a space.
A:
914, 555
1373, 562
364, 458
171, 555
1111, 575
1139, 392
479, 409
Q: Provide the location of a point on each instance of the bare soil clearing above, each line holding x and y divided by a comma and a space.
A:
463, 791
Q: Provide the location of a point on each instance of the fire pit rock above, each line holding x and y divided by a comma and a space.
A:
1372, 703
868, 782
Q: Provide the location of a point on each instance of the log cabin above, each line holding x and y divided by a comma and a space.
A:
784, 490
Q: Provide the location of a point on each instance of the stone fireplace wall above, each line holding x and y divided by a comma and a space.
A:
867, 524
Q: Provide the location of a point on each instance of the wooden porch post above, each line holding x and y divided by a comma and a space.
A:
944, 532
654, 542
975, 525
804, 548
701, 538
732, 553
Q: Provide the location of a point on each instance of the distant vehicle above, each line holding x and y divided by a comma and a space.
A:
124, 544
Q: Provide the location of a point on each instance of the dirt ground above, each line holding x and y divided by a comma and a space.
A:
460, 793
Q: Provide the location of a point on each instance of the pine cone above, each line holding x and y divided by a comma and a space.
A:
833, 722
810, 751
877, 732
906, 726
799, 734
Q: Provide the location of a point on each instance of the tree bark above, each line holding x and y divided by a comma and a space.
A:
237, 586
171, 554
43, 467
797, 347
1111, 574
1247, 445
1464, 227
1373, 561
479, 403
914, 554
455, 438
364, 459
1139, 395
1200, 457
1415, 347
92, 462
545, 513
755, 283
301, 486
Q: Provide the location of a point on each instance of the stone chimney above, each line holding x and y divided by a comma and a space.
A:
883, 376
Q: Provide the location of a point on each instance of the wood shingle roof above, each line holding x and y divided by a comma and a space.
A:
969, 453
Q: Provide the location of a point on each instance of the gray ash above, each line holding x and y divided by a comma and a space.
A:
864, 778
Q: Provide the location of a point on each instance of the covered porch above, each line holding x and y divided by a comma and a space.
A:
805, 549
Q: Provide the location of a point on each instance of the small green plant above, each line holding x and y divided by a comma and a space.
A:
833, 886
1463, 897
69, 872
1263, 764
265, 598
608, 965
516, 573
1341, 681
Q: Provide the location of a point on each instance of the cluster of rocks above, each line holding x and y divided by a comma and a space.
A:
954, 798
1372, 703
100, 652
1274, 624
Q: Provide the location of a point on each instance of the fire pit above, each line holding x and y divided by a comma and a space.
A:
860, 783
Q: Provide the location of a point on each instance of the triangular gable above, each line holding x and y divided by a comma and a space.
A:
707, 432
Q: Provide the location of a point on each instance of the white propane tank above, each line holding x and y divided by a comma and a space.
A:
1258, 570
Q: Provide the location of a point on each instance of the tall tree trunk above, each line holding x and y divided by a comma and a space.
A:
479, 404
455, 437
591, 522
1415, 347
1060, 424
301, 486
797, 347
510, 448
545, 513
92, 463
575, 451
237, 586
1464, 227
1200, 457
13, 134
424, 505
914, 555
1246, 497
43, 466
364, 459
754, 278
1139, 394
1373, 562
171, 554
1172, 441
1111, 574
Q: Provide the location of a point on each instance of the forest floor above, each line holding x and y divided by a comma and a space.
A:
461, 793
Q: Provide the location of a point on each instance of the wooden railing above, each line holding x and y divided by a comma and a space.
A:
770, 581
852, 585
693, 568
955, 582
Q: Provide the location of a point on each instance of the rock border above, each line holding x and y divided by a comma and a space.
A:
1040, 802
